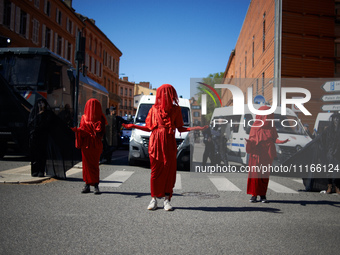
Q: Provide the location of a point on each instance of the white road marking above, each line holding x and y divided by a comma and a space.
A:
223, 184
116, 179
279, 188
178, 184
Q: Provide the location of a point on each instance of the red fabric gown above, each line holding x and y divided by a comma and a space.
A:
163, 149
261, 147
89, 139
162, 120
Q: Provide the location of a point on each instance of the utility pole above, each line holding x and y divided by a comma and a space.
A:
277, 49
79, 58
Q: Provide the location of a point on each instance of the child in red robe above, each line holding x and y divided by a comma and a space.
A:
162, 120
89, 139
262, 151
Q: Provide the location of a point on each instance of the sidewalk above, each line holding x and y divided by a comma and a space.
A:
22, 175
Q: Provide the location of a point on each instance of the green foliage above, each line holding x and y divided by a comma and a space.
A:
212, 79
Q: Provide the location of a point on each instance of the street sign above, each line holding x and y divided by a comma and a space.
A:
330, 98
331, 86
331, 107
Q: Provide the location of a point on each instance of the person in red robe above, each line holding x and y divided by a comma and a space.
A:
262, 151
162, 120
89, 139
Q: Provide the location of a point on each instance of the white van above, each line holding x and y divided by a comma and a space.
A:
139, 141
234, 135
322, 122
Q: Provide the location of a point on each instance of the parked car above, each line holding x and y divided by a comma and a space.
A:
126, 132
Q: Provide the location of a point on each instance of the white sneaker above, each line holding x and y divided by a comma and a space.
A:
167, 205
153, 204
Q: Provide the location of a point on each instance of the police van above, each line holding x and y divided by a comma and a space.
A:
234, 129
139, 141
322, 122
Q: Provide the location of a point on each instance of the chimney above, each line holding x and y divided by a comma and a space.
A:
125, 78
68, 3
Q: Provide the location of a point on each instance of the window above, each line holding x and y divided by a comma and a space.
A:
58, 16
23, 23
262, 84
37, 3
35, 31
47, 38
130, 92
104, 58
196, 114
95, 46
7, 13
59, 45
121, 91
47, 8
252, 54
245, 65
126, 92
69, 51
337, 49
69, 26
264, 36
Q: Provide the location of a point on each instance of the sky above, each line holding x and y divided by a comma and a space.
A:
169, 41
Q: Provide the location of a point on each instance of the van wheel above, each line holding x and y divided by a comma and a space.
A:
132, 162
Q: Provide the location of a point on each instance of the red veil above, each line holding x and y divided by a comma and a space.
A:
263, 130
93, 115
89, 139
166, 97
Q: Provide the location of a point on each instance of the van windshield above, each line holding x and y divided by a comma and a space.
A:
145, 108
289, 125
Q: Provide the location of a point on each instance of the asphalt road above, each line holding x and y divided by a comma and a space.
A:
55, 218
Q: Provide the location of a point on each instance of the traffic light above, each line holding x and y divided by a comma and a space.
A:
4, 41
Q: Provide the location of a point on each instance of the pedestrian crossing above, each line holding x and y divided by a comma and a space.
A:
116, 179
220, 183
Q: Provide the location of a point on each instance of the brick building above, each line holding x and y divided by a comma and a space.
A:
126, 93
54, 24
196, 112
142, 88
283, 39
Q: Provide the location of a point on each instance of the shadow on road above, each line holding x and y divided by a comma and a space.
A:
304, 203
231, 209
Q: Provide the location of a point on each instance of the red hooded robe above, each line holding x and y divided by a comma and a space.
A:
163, 119
89, 139
262, 151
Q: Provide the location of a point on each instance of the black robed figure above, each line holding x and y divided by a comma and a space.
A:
51, 142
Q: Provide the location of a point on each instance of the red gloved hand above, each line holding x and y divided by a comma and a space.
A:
74, 129
127, 125
199, 128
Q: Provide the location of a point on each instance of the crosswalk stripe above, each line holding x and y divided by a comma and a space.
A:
178, 184
279, 188
116, 179
223, 184
298, 180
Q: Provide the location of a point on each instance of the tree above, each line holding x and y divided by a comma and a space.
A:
207, 87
